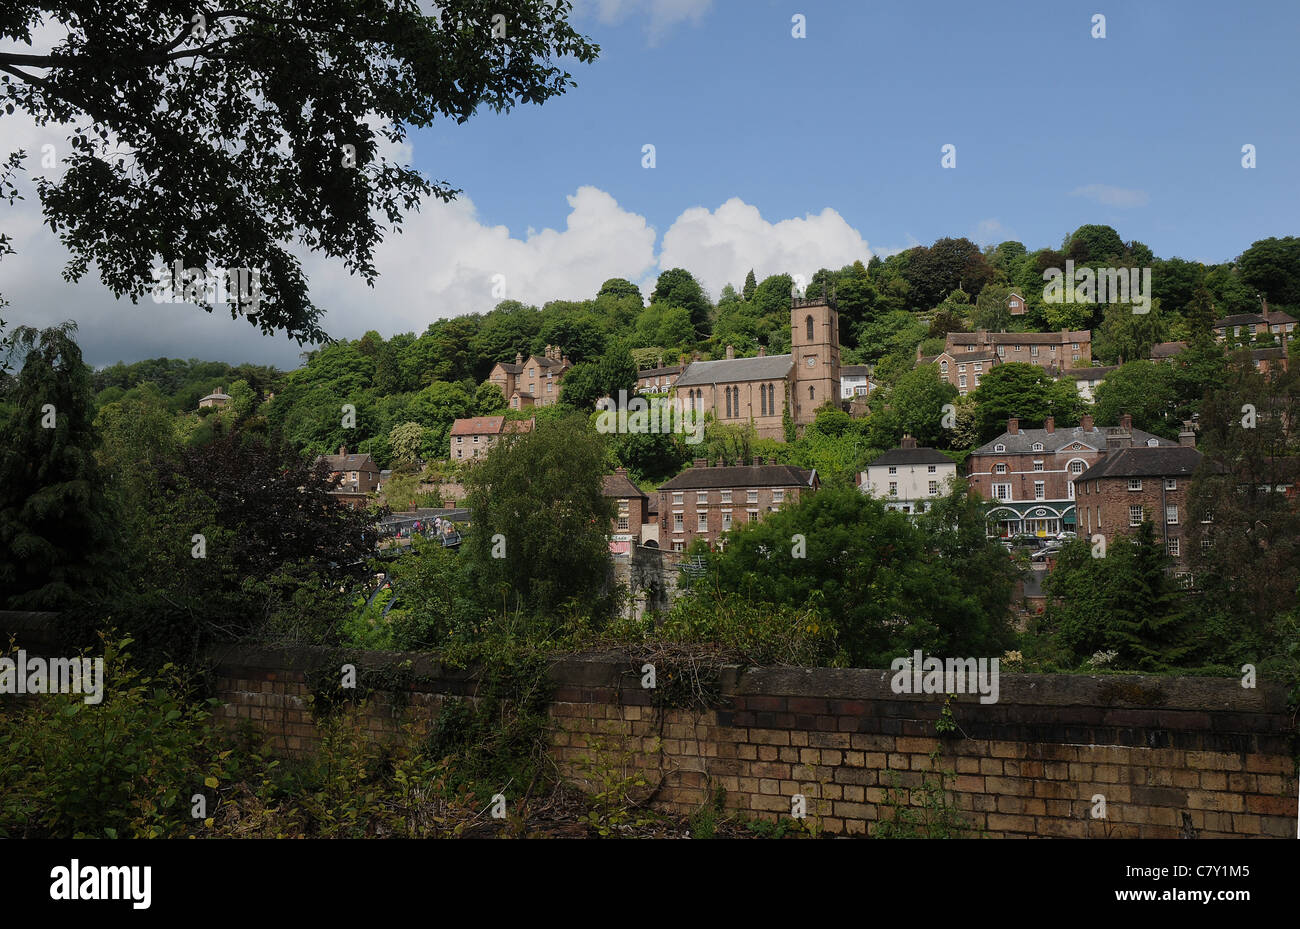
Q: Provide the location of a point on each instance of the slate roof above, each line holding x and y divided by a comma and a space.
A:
1019, 338
349, 462
729, 370
1240, 319
741, 476
1260, 354
1089, 373
1022, 443
510, 367
1143, 461
1278, 317
911, 456
1167, 349
967, 357
855, 370
618, 485
652, 372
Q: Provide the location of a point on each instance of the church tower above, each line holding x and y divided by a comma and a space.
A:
815, 345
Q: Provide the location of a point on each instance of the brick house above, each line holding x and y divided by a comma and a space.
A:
358, 475
704, 502
1016, 304
908, 477
963, 370
1136, 483
473, 438
632, 503
1054, 352
531, 382
1267, 359
1029, 475
658, 380
1167, 351
1243, 327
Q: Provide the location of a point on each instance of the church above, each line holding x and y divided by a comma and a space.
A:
759, 390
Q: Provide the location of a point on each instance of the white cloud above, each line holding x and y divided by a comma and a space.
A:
1107, 195
661, 15
720, 247
990, 232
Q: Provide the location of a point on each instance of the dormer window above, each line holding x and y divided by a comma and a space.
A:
999, 447
1152, 443
1038, 446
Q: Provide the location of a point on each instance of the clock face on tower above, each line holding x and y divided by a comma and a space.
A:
812, 362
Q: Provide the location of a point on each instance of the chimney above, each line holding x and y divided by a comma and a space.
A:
343, 449
695, 357
908, 442
519, 358
620, 470
1187, 438
701, 463
1085, 422
1013, 426
1117, 438
1126, 423
762, 352
731, 351
1050, 424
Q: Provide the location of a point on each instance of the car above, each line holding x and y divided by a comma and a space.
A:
1066, 536
1045, 552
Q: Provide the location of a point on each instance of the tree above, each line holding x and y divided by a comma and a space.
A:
580, 387
57, 542
945, 266
489, 400
405, 441
1144, 390
676, 287
991, 311
266, 123
1023, 391
618, 287
1094, 245
1272, 267
750, 285
538, 539
918, 399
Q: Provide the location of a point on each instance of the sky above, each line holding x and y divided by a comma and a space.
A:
787, 154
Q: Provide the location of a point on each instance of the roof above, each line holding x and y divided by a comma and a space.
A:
619, 485
1261, 354
855, 370
741, 476
479, 425
1014, 338
727, 370
1023, 441
1277, 316
649, 372
910, 456
348, 462
510, 367
967, 357
1240, 319
545, 362
1089, 373
927, 359
215, 395
1144, 461
1167, 349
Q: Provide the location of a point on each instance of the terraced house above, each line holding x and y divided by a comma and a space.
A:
705, 502
1029, 475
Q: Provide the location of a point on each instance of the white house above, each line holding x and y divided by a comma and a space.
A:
907, 477
855, 381
1086, 380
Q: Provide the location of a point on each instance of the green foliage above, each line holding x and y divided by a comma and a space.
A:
1024, 391
1143, 389
615, 781
923, 812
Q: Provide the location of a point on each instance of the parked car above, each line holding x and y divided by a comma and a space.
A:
1045, 552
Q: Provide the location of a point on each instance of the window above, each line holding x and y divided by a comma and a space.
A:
1076, 467
1075, 346
460, 440
1076, 356
1207, 544
943, 367
961, 367
532, 372
678, 498
751, 496
812, 394
679, 545
762, 399
893, 488
1052, 349
622, 521
1002, 349
970, 348
1135, 515
1038, 446
1038, 465
550, 388
1001, 491
1033, 351
1017, 348
1173, 548
999, 447
893, 469
999, 469
726, 519
808, 324
1171, 514
778, 496
1040, 492
978, 367
961, 380
476, 440
459, 453
701, 496
934, 488
931, 469
811, 362
1135, 483
726, 496
1207, 518
678, 523
753, 515
702, 521
1171, 483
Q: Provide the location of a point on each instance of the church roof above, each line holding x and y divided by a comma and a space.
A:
729, 370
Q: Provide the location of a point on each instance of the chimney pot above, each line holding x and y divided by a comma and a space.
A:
343, 449
701, 463
731, 351
1187, 438
1126, 422
908, 441
1013, 426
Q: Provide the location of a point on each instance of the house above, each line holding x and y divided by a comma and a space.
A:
534, 382
963, 370
358, 476
1054, 352
1267, 359
1167, 351
473, 438
704, 502
909, 477
1016, 304
855, 381
1242, 327
1280, 324
218, 398
1086, 380
1136, 483
760, 390
632, 504
658, 380
1029, 474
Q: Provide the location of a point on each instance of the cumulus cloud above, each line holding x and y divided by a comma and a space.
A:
1107, 195
660, 15
720, 247
990, 232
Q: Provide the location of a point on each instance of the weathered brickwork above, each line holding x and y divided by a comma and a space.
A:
1171, 756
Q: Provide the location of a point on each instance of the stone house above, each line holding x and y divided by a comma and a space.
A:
358, 475
473, 438
705, 502
531, 382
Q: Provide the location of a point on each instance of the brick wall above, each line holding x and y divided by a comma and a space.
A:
1105, 503
1171, 756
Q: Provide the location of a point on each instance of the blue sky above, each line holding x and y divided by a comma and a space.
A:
787, 154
